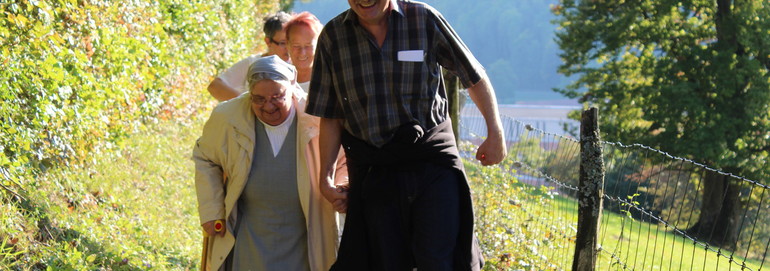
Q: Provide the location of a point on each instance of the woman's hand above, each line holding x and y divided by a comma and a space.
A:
336, 195
341, 205
214, 227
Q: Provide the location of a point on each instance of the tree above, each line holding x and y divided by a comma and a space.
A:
689, 77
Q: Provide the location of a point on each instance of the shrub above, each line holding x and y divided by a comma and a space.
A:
80, 75
78, 78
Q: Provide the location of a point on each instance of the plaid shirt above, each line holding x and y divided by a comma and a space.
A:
377, 89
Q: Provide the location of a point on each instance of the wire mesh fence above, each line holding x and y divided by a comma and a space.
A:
526, 213
660, 212
675, 214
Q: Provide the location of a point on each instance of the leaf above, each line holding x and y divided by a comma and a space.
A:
57, 38
20, 20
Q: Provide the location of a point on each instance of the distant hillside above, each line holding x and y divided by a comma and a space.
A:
512, 39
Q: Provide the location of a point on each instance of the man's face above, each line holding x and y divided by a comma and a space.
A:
302, 42
370, 11
277, 45
271, 101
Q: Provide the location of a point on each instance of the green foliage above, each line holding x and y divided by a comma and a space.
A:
519, 226
509, 222
81, 81
7, 254
687, 77
99, 216
81, 75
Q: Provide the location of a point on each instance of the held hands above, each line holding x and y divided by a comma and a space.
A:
492, 151
214, 227
337, 195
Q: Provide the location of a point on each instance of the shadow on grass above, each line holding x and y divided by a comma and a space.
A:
61, 239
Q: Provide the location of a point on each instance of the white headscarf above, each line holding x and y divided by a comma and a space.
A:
273, 68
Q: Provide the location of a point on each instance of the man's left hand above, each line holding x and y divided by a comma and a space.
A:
492, 151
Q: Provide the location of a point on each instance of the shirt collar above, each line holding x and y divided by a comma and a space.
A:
350, 16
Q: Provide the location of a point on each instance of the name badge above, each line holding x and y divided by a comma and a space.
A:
411, 56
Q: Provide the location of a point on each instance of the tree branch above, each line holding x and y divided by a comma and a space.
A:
6, 188
12, 192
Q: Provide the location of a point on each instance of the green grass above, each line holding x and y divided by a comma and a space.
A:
134, 209
656, 247
522, 227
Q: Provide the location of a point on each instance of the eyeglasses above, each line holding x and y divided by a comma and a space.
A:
275, 99
282, 43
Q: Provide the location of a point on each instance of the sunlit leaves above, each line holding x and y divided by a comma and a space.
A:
79, 76
670, 75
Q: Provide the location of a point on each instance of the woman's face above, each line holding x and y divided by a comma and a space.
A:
277, 45
271, 101
302, 41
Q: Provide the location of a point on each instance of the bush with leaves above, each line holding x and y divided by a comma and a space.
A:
80, 77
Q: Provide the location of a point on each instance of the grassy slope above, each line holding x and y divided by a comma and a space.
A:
134, 210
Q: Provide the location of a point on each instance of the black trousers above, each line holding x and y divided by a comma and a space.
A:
408, 206
412, 218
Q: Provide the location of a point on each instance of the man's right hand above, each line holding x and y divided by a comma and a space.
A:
210, 230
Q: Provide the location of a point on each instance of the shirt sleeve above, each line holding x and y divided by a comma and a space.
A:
235, 76
452, 53
322, 95
209, 158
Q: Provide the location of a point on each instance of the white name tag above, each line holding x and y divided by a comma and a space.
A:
411, 56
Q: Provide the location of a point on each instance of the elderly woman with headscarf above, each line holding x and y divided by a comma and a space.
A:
256, 177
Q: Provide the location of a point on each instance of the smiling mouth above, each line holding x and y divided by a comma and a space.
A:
367, 3
270, 113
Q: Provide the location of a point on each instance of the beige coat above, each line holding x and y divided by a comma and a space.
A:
226, 148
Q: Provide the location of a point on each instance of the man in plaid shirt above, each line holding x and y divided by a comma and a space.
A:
378, 88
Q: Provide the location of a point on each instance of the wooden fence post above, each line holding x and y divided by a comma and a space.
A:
591, 191
452, 87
